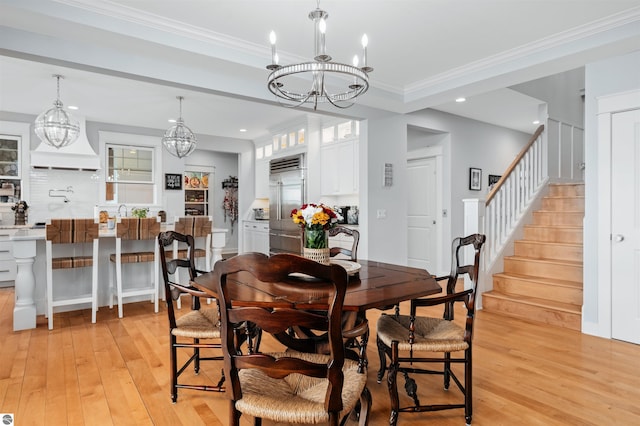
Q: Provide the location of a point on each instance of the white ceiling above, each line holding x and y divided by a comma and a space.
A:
424, 54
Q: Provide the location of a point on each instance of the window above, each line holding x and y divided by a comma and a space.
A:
130, 174
259, 153
328, 134
344, 130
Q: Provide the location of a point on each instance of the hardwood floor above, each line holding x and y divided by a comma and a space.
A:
117, 372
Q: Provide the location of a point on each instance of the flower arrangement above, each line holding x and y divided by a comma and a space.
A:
315, 219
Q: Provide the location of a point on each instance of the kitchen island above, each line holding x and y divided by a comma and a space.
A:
30, 283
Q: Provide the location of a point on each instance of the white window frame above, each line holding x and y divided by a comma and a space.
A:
134, 141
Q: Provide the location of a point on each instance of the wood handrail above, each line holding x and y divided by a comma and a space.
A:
514, 163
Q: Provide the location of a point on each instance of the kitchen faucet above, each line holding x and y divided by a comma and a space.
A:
125, 210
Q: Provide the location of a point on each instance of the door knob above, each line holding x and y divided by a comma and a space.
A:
619, 238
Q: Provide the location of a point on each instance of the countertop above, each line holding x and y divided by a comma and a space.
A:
26, 232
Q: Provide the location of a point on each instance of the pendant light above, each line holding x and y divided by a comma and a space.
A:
179, 140
55, 126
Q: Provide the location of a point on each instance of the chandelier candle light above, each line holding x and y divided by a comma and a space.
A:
315, 220
179, 140
282, 80
55, 126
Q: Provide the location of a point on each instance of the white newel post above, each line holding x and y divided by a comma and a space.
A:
474, 210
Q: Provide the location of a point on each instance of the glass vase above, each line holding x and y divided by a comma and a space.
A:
315, 238
316, 245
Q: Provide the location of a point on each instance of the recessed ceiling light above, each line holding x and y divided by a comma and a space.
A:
243, 130
73, 107
172, 120
536, 122
461, 99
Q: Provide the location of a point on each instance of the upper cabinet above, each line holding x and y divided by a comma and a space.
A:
291, 139
339, 159
10, 157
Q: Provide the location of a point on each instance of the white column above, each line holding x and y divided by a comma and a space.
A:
24, 311
218, 241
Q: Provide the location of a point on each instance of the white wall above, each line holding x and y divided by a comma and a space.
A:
225, 164
606, 77
562, 93
466, 143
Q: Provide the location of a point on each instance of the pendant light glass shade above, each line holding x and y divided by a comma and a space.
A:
179, 140
55, 126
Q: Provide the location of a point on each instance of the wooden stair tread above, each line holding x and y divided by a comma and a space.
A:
560, 212
537, 225
550, 243
530, 278
552, 261
534, 301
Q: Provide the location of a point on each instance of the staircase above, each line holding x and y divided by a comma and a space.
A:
542, 281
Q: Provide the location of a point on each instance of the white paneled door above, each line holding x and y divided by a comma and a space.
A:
625, 226
421, 213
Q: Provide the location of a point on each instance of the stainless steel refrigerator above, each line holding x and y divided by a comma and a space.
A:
287, 191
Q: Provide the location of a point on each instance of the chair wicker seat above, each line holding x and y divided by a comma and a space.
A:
200, 324
431, 334
296, 398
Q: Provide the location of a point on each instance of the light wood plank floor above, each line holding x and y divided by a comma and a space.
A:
117, 372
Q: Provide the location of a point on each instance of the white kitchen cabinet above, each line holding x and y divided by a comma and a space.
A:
339, 165
10, 160
7, 262
256, 236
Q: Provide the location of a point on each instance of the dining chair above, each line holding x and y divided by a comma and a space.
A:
352, 253
409, 341
188, 331
134, 234
200, 228
289, 386
78, 238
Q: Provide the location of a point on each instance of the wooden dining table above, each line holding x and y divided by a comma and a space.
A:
376, 285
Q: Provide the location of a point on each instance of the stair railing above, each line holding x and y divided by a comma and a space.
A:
509, 198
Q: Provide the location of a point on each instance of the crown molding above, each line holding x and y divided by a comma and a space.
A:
596, 28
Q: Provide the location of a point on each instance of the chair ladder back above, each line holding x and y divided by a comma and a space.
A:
277, 319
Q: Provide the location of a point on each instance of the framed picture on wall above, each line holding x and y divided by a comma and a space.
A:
493, 179
172, 181
475, 179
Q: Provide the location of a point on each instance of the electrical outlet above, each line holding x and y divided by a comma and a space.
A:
382, 214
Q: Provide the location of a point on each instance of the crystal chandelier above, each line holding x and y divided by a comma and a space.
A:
179, 139
55, 126
323, 73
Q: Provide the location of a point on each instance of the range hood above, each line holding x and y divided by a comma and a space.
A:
77, 156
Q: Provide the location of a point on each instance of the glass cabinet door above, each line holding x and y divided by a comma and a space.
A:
9, 157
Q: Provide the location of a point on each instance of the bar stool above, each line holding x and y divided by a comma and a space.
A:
132, 230
74, 235
200, 228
